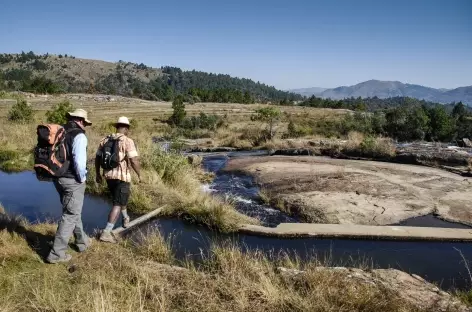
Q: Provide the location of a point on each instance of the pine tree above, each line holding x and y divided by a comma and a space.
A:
179, 113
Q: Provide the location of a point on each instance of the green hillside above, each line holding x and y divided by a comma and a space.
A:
67, 74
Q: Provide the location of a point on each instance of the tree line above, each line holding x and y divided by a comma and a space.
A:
369, 104
403, 123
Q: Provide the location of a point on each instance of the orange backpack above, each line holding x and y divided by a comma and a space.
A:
50, 153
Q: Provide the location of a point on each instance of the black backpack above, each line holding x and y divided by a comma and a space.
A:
110, 153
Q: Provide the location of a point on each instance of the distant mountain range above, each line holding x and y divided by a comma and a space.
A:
309, 91
387, 89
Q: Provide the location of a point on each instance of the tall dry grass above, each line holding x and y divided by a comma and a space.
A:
125, 277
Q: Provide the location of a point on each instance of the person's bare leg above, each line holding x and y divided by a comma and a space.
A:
126, 217
114, 214
112, 217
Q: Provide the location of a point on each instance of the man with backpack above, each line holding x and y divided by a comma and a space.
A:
115, 155
69, 179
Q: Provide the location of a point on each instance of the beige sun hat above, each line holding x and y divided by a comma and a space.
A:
123, 121
81, 113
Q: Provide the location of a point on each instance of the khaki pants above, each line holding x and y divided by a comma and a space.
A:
72, 198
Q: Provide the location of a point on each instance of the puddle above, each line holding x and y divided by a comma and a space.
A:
431, 221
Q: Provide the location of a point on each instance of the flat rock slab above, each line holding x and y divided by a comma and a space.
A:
361, 232
337, 191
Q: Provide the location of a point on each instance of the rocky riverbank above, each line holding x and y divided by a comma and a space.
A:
324, 190
452, 158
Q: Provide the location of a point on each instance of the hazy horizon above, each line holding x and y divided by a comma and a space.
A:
300, 44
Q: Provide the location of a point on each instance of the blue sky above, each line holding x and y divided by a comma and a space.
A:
288, 44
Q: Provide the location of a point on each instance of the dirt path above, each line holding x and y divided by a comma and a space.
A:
324, 190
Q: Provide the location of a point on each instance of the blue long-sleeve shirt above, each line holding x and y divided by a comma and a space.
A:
79, 155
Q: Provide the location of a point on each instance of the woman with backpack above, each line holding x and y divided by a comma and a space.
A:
116, 154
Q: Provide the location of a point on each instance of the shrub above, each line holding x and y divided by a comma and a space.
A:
58, 114
269, 115
203, 121
21, 112
179, 113
4, 94
374, 147
41, 85
297, 130
39, 65
171, 168
255, 135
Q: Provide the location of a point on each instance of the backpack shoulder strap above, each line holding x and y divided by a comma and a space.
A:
73, 130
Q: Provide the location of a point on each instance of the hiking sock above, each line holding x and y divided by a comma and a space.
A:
124, 213
109, 227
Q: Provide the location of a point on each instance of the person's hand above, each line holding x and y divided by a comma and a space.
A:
98, 179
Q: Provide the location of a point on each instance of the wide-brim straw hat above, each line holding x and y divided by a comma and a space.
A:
80, 113
123, 121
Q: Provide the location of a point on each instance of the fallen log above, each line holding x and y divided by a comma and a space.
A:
137, 221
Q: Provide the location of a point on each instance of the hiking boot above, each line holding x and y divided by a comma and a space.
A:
107, 237
126, 222
59, 260
90, 242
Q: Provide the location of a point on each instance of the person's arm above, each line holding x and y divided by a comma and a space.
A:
136, 166
79, 156
132, 155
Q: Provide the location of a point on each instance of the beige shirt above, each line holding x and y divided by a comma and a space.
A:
127, 149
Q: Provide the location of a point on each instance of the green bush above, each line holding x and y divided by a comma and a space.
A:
255, 135
298, 130
375, 147
58, 114
368, 144
270, 116
203, 121
170, 167
21, 112
179, 113
4, 94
